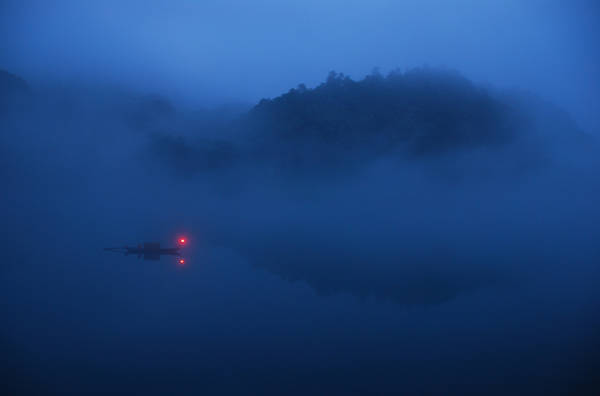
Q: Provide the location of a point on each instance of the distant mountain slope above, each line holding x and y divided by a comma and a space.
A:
10, 83
13, 90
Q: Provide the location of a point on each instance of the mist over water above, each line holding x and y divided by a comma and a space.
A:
411, 231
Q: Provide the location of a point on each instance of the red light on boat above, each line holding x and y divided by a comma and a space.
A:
182, 241
181, 261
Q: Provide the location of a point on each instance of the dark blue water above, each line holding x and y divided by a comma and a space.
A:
272, 300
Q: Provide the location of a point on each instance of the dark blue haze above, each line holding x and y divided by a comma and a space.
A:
423, 220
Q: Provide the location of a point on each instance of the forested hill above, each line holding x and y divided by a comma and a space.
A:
341, 124
430, 110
